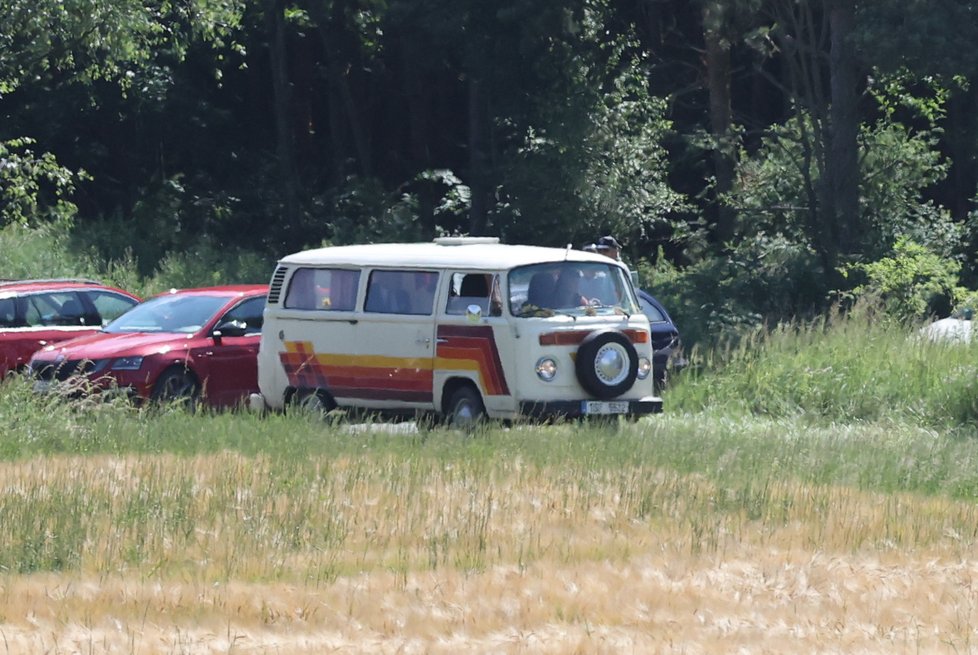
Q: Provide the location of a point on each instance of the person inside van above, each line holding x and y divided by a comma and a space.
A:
474, 285
596, 285
541, 289
567, 290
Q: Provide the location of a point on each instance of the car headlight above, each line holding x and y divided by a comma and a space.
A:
546, 369
644, 368
97, 366
127, 364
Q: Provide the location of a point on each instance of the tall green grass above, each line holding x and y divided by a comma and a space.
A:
844, 369
234, 496
885, 455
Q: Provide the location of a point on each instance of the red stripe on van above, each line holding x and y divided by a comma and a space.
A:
475, 343
305, 369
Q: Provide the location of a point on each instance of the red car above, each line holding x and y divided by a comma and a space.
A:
37, 313
186, 344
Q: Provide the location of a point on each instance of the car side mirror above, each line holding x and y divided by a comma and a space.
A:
635, 280
230, 329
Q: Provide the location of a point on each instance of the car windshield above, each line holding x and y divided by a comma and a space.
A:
182, 314
572, 288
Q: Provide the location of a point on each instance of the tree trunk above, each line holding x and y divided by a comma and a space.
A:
342, 102
843, 161
281, 103
962, 134
418, 115
478, 157
718, 83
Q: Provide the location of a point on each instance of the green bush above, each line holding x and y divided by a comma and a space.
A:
912, 283
718, 299
844, 368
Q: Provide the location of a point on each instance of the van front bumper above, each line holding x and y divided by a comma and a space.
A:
578, 408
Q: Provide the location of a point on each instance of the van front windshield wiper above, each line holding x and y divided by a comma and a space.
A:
621, 310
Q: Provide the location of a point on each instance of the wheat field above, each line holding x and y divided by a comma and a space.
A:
230, 553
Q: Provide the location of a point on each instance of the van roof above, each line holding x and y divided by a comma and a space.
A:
474, 255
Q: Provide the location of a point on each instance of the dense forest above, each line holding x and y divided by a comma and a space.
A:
761, 160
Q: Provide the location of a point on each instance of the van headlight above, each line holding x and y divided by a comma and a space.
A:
644, 368
546, 369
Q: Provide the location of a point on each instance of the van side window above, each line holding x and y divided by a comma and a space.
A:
401, 292
474, 289
323, 289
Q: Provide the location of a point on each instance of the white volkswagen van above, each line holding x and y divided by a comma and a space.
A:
463, 327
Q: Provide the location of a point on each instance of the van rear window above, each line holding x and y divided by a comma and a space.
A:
323, 289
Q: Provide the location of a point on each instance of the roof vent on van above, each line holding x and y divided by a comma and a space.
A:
465, 241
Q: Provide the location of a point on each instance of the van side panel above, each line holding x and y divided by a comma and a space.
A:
473, 352
351, 377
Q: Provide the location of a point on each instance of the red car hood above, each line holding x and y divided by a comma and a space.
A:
102, 345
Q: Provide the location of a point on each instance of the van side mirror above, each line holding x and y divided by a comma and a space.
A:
635, 280
473, 313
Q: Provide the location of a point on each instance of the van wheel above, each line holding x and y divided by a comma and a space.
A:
465, 409
176, 385
313, 403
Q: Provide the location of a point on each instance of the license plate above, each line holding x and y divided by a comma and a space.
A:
605, 407
42, 386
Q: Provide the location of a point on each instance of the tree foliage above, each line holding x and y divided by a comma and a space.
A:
745, 151
34, 188
910, 282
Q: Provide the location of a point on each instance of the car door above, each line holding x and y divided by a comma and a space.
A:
395, 342
228, 363
470, 347
11, 335
47, 318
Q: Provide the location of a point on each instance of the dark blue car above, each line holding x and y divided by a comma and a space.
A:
666, 344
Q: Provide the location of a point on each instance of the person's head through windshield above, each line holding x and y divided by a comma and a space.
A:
567, 290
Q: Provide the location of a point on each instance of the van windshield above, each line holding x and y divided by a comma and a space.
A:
573, 288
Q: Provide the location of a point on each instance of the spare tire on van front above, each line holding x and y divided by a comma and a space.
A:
606, 363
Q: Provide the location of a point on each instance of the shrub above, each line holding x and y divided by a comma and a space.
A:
912, 283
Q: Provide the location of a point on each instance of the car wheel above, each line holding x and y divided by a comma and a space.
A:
465, 409
606, 363
314, 403
177, 386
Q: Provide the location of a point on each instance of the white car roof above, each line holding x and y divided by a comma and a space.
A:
458, 253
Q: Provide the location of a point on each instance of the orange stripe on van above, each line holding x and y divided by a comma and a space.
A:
575, 337
351, 376
462, 346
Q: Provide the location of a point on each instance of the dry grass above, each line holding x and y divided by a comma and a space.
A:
225, 553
